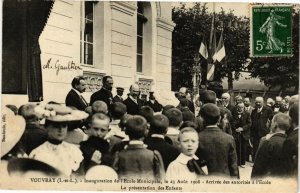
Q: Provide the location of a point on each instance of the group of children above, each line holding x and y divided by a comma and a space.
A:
131, 145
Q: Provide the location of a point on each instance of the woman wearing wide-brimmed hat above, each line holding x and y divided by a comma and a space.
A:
57, 153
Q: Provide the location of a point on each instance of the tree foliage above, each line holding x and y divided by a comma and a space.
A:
192, 25
282, 72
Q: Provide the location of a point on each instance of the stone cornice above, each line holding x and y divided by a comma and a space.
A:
123, 6
165, 24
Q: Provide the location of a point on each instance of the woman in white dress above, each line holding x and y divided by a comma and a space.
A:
55, 152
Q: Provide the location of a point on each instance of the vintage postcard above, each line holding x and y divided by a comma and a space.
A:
149, 96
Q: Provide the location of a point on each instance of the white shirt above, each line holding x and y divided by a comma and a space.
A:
133, 99
178, 168
173, 131
65, 157
158, 136
79, 94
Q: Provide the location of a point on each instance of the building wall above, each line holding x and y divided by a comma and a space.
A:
115, 50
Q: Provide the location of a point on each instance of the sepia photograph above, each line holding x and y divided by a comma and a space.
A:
149, 96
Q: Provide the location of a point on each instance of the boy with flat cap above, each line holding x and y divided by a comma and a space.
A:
216, 146
136, 161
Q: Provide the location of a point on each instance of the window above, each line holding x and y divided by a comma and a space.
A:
141, 20
86, 33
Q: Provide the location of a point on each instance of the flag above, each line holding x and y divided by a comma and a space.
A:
220, 51
212, 39
210, 71
212, 49
203, 49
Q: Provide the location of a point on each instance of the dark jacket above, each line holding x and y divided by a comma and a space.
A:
243, 121
290, 151
74, 100
260, 122
230, 107
102, 95
88, 148
190, 105
218, 149
32, 137
156, 106
117, 99
168, 152
269, 159
135, 161
132, 107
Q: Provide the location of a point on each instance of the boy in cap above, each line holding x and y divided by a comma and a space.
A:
136, 161
95, 149
118, 97
216, 146
156, 140
186, 163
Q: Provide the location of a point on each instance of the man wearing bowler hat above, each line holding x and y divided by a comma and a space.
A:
118, 97
216, 146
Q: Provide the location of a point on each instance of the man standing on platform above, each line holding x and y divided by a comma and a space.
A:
118, 97
153, 103
261, 119
74, 97
104, 94
133, 102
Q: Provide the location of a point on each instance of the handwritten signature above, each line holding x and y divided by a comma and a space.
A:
58, 66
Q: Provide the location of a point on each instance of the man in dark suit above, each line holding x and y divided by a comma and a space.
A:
158, 129
261, 118
269, 161
278, 107
226, 102
118, 97
183, 94
74, 97
290, 146
248, 107
132, 102
104, 94
153, 103
241, 132
216, 146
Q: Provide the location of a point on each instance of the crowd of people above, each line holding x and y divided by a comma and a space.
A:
140, 138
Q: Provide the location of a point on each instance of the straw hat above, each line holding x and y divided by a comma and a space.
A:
13, 128
60, 113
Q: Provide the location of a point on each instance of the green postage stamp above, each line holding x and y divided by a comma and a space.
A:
271, 31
